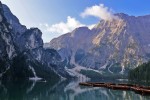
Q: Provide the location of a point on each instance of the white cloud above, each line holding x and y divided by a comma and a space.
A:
99, 11
55, 30
62, 27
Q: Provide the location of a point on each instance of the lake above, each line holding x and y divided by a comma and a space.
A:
63, 90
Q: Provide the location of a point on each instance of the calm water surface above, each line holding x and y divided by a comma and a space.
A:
66, 90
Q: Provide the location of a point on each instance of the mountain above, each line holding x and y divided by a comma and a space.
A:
111, 47
22, 56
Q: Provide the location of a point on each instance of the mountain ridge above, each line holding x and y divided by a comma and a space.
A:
22, 54
122, 44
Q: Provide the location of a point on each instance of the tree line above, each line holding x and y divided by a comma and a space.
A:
141, 73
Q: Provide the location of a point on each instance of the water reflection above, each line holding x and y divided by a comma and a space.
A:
63, 90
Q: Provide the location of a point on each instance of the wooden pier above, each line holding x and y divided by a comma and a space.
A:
131, 87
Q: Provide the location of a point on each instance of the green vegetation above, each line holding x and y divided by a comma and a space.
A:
105, 75
141, 73
91, 74
45, 72
19, 70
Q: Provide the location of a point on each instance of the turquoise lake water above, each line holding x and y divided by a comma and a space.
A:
63, 90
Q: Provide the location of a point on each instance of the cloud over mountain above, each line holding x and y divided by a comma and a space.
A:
100, 11
63, 27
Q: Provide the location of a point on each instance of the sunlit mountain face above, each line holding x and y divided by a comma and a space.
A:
112, 47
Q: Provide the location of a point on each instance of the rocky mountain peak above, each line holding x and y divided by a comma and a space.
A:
78, 32
32, 38
13, 21
22, 56
122, 15
118, 45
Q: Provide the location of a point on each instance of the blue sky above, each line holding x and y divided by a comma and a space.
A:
53, 15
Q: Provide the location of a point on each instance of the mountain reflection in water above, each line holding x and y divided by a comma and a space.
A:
63, 90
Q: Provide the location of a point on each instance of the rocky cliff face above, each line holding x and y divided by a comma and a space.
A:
22, 55
111, 46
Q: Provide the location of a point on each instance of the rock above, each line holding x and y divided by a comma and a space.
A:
22, 56
119, 45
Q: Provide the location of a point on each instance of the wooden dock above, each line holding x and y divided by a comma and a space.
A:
131, 87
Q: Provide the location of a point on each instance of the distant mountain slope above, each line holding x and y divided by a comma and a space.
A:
111, 46
22, 55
